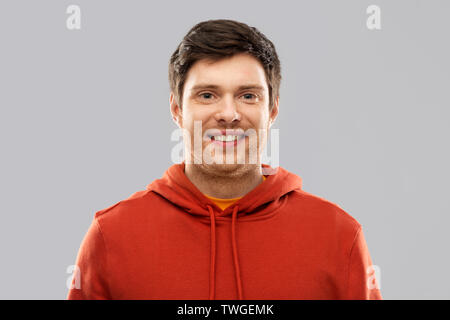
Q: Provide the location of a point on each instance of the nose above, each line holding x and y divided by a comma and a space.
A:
227, 111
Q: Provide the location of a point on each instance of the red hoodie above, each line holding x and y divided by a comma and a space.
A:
171, 242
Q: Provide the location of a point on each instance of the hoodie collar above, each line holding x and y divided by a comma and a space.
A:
176, 187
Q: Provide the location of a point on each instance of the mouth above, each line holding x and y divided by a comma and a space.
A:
226, 138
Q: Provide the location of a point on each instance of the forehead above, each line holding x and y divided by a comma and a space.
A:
228, 73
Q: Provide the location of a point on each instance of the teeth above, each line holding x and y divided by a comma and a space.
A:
227, 138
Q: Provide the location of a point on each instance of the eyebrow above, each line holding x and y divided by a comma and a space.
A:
213, 86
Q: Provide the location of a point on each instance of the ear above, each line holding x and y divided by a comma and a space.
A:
175, 110
274, 112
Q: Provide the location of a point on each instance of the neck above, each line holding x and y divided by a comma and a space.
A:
224, 182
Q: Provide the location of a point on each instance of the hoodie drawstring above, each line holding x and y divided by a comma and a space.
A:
212, 273
235, 257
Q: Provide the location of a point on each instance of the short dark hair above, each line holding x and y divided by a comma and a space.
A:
218, 39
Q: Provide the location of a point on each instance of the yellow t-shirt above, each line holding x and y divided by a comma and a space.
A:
224, 203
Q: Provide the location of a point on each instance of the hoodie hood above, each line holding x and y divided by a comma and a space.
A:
176, 188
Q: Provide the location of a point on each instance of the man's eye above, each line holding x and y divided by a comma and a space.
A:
206, 95
249, 96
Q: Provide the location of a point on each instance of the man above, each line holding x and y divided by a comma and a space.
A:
218, 225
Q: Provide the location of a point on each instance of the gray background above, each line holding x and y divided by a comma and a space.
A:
85, 122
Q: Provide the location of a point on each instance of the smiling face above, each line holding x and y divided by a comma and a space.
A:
226, 96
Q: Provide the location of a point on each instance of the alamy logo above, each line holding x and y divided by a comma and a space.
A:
374, 277
374, 19
73, 281
73, 21
193, 149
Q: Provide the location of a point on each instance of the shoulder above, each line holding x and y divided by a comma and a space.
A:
323, 211
130, 208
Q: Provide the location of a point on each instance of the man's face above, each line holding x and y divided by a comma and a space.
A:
229, 94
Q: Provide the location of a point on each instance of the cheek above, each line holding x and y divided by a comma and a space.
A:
194, 122
191, 116
259, 120
188, 118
